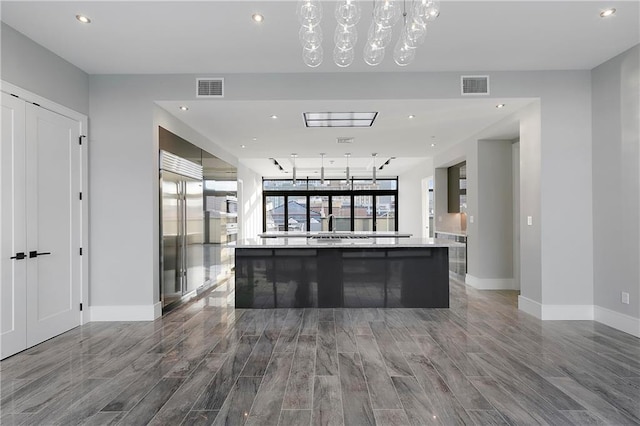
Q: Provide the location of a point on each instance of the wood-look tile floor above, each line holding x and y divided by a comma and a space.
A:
480, 362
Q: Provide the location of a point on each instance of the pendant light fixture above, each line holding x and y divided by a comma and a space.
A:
309, 15
385, 15
347, 15
348, 154
294, 168
373, 178
322, 154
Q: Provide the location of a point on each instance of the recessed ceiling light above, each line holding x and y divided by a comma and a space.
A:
607, 12
433, 145
257, 17
183, 108
412, 116
274, 116
83, 19
254, 139
243, 146
500, 106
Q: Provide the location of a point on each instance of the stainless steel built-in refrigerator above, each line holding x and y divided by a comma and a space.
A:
181, 227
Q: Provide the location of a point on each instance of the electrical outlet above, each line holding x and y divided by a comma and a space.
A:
529, 220
471, 219
625, 298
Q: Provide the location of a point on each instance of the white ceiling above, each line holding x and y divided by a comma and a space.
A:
172, 37
164, 37
393, 134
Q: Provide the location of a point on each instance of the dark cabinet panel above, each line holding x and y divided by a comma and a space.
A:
453, 187
342, 277
457, 188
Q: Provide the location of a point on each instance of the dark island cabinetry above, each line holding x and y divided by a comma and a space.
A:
352, 277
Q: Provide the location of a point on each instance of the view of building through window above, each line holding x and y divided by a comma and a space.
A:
356, 205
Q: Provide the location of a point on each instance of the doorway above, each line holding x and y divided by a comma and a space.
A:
41, 227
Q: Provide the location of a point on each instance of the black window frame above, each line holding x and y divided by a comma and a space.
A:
306, 192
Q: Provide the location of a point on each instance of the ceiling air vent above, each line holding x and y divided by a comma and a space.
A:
210, 88
475, 84
342, 139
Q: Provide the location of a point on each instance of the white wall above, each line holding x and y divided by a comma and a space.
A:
123, 164
489, 202
616, 189
38, 70
515, 184
249, 202
530, 235
566, 198
412, 199
492, 196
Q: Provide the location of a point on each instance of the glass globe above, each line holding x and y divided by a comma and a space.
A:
347, 12
415, 33
386, 12
373, 54
379, 34
403, 54
310, 35
343, 57
426, 10
345, 36
309, 12
312, 57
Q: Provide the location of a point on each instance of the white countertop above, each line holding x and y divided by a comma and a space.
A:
300, 234
378, 242
457, 234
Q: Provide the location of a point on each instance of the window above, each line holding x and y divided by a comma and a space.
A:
274, 214
356, 205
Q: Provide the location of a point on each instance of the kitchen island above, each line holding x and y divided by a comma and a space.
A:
329, 270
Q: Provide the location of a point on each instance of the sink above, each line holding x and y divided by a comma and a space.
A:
337, 236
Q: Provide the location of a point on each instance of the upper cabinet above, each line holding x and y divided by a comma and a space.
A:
457, 188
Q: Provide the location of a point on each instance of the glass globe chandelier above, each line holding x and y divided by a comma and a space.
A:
415, 15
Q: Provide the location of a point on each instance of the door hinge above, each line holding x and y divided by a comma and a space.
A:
80, 251
80, 139
15, 96
81, 196
81, 306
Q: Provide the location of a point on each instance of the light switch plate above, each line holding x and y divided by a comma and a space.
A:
529, 220
625, 298
471, 219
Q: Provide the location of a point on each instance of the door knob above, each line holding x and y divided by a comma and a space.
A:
33, 254
19, 256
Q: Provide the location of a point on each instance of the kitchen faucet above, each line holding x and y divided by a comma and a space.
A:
330, 222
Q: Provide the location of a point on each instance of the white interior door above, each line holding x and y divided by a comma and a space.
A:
40, 225
13, 291
53, 224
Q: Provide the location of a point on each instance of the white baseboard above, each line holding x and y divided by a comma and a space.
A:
490, 283
126, 312
157, 310
567, 312
619, 321
530, 306
622, 322
555, 312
